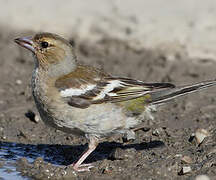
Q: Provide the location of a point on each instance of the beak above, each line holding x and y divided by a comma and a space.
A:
26, 42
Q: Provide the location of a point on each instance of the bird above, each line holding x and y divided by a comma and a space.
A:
86, 101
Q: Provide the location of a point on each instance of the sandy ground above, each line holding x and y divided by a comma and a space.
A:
40, 152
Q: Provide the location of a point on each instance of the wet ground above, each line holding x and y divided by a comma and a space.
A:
31, 150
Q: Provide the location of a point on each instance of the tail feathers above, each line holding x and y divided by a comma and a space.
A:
162, 96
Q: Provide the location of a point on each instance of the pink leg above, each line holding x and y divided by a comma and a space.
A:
78, 166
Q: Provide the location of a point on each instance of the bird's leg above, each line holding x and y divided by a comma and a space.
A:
78, 166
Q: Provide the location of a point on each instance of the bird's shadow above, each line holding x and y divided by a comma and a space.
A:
66, 154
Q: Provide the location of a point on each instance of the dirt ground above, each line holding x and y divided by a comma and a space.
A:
39, 152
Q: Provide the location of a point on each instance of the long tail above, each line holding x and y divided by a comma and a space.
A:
162, 96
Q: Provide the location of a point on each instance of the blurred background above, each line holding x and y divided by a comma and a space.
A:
151, 40
189, 25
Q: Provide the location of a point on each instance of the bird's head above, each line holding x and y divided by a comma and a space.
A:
52, 53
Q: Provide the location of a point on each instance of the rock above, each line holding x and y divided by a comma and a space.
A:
202, 177
156, 132
200, 135
185, 170
32, 116
187, 159
178, 155
130, 135
18, 82
37, 118
192, 137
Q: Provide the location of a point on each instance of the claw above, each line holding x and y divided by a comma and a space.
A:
78, 166
82, 167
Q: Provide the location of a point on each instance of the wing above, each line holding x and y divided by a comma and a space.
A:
116, 89
81, 91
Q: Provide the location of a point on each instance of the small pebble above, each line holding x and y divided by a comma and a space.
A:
192, 137
130, 135
37, 118
156, 132
185, 170
18, 82
187, 159
202, 177
200, 135
32, 116
178, 155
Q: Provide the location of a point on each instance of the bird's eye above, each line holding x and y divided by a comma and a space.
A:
44, 44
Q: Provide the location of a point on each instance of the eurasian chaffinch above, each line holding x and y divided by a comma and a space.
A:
86, 101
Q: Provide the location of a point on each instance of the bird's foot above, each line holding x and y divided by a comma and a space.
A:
82, 167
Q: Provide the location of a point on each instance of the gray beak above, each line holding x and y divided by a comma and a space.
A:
26, 42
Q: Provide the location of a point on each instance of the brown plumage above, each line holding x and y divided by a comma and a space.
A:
83, 75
